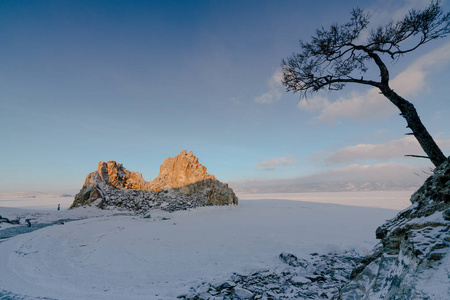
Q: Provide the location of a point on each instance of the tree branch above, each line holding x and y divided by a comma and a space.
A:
418, 156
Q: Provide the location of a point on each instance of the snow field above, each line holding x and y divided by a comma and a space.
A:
128, 257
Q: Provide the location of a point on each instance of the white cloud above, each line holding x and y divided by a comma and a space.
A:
357, 106
412, 80
275, 162
269, 97
400, 12
386, 11
274, 93
382, 152
276, 78
313, 104
368, 105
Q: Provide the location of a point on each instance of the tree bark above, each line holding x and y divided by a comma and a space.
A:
409, 112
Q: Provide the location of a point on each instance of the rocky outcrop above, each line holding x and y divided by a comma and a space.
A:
317, 277
115, 175
412, 260
181, 184
181, 170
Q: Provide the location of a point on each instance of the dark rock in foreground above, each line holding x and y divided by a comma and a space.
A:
412, 260
318, 277
181, 184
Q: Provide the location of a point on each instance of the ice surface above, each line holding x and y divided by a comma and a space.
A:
109, 256
41, 203
382, 199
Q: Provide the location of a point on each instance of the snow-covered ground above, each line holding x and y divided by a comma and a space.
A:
111, 256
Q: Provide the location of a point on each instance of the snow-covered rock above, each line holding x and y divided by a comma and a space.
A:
412, 260
317, 277
181, 184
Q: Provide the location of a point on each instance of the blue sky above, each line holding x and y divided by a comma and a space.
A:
139, 81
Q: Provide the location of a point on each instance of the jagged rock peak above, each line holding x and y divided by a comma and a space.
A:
181, 170
182, 183
115, 175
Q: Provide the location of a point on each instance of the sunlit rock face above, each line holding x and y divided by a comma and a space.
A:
115, 175
181, 184
181, 170
412, 261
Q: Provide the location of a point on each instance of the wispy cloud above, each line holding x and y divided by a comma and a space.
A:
386, 11
276, 162
362, 106
274, 93
358, 106
381, 152
271, 169
412, 80
235, 100
383, 14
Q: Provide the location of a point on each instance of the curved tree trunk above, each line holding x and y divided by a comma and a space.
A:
412, 119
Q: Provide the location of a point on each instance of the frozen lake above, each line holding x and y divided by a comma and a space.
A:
397, 200
108, 256
37, 203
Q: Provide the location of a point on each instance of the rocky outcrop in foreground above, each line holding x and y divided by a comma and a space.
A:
317, 277
412, 260
182, 183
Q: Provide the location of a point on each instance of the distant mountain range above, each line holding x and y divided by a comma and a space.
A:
295, 187
261, 186
17, 195
274, 186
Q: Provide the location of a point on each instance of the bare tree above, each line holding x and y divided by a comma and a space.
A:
335, 56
